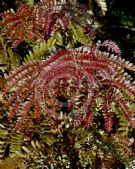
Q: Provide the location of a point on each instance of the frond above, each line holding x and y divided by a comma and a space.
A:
76, 34
33, 86
32, 22
9, 59
40, 51
127, 112
20, 27
123, 123
111, 47
120, 63
3, 140
102, 4
16, 141
42, 21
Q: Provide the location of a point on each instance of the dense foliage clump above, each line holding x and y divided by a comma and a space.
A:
66, 101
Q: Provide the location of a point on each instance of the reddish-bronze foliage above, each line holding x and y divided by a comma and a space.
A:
111, 47
41, 21
81, 76
34, 22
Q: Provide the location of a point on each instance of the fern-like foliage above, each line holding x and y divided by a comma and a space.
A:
32, 22
101, 151
33, 86
4, 140
16, 142
40, 21
39, 51
111, 47
76, 34
10, 142
102, 5
9, 60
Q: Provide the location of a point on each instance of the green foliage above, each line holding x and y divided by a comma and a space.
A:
31, 2
16, 142
9, 59
124, 126
102, 4
41, 50
75, 35
3, 140
10, 142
